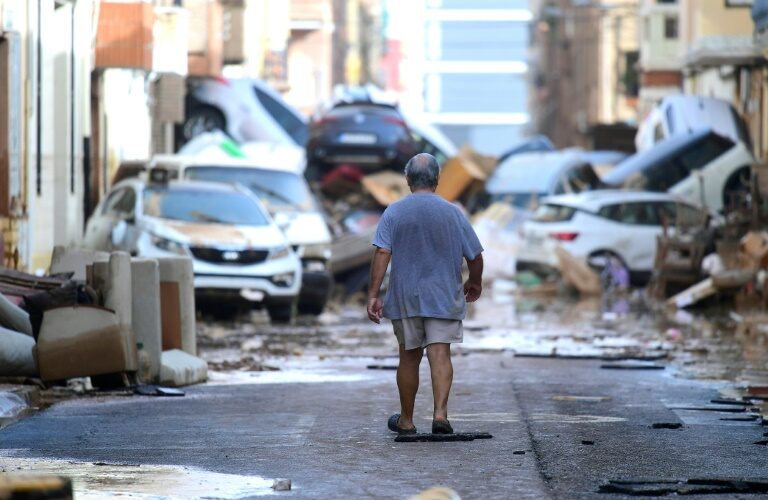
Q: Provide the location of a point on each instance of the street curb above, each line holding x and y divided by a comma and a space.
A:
25, 399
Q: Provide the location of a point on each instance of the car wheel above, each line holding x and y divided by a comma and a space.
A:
738, 185
201, 120
284, 313
311, 308
598, 259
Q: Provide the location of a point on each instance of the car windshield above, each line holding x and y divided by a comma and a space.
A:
277, 190
202, 206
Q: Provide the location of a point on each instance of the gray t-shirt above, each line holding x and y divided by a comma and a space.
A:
428, 238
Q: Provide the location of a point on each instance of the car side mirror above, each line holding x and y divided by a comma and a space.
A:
118, 233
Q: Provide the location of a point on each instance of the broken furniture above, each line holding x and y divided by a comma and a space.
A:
75, 261
146, 314
113, 280
177, 304
180, 368
17, 354
80, 341
680, 250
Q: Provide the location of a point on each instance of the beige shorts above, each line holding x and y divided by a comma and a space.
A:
420, 332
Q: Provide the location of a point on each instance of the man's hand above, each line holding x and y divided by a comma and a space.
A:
375, 309
472, 291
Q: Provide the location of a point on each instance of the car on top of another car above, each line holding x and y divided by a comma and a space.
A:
703, 167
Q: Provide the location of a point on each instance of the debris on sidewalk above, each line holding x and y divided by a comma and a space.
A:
81, 341
496, 228
577, 273
180, 368
281, 485
465, 174
15, 485
16, 354
456, 436
694, 294
437, 493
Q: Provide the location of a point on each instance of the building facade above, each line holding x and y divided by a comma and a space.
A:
465, 66
585, 72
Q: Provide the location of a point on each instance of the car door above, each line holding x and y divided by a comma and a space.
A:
635, 233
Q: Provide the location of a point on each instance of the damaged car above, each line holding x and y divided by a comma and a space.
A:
239, 253
603, 224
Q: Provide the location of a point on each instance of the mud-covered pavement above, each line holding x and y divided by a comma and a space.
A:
580, 399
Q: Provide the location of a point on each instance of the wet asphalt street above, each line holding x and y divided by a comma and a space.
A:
563, 427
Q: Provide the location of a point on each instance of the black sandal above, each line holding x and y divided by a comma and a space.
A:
394, 425
441, 427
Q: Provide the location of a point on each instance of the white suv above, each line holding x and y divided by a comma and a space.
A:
596, 224
238, 251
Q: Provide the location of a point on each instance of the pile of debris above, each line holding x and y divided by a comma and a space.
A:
739, 271
116, 319
355, 202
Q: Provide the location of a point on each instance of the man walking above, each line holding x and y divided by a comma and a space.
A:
426, 238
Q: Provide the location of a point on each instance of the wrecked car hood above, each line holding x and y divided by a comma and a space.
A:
218, 235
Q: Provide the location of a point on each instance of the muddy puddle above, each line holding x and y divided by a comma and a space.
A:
93, 481
338, 345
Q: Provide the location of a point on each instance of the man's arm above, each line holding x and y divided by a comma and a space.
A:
474, 285
378, 270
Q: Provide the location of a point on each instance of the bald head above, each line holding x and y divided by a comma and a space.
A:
422, 172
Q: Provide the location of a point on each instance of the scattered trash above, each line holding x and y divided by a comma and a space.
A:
590, 399
457, 436
730, 402
632, 366
156, 390
381, 367
519, 452
437, 493
724, 409
577, 273
28, 485
587, 442
697, 486
694, 294
666, 425
282, 485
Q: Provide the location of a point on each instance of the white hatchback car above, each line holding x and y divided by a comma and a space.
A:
237, 249
597, 224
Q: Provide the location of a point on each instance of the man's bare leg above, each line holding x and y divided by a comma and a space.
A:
408, 383
441, 368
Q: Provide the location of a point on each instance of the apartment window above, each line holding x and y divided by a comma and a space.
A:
670, 28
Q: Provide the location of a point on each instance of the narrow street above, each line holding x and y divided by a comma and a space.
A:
309, 403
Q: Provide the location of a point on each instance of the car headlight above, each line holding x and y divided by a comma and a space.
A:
279, 252
283, 279
317, 251
169, 245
